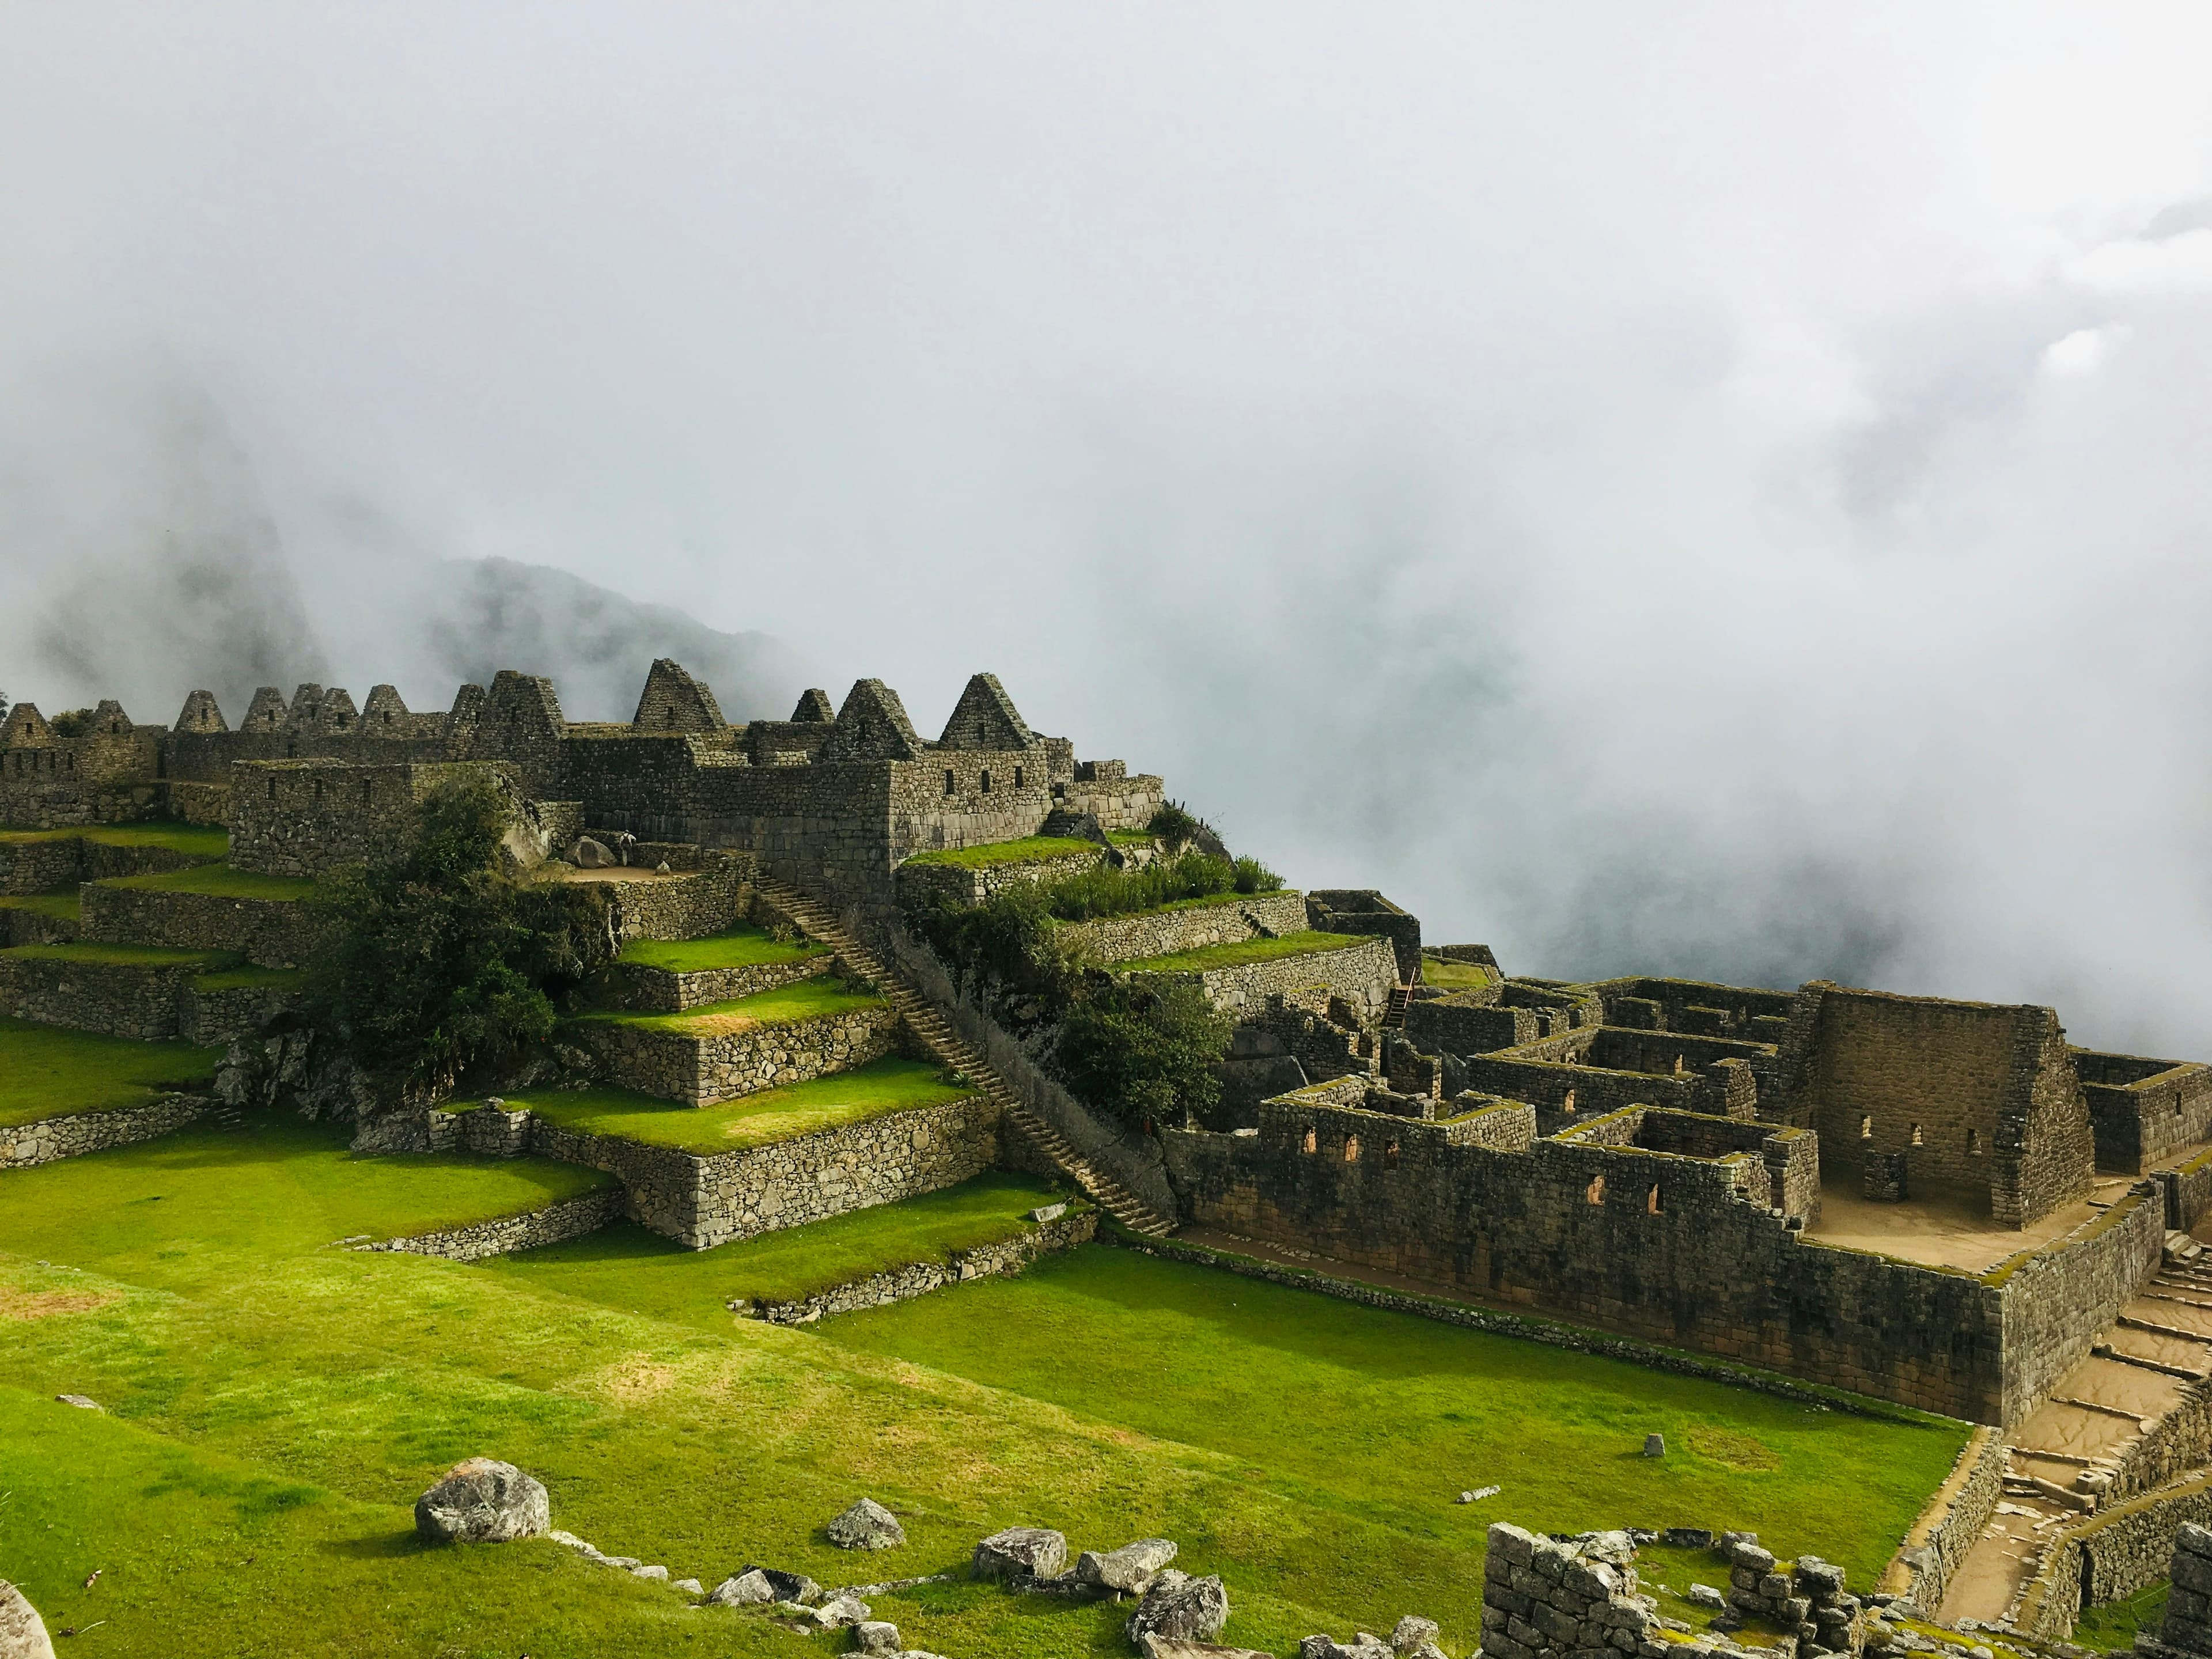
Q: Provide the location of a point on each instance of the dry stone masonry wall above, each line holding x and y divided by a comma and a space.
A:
73, 1135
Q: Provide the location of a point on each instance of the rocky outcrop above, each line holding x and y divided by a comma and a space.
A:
482, 1501
1132, 1568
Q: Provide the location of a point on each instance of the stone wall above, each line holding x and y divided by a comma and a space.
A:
2188, 1189
2059, 1298
922, 884
680, 1065
1109, 792
709, 900
2188, 1627
2142, 1111
22, 1145
307, 818
1364, 975
1004, 1256
272, 933
2111, 1555
142, 1002
39, 866
1363, 911
1696, 1006
662, 990
572, 1217
210, 1017
1189, 928
1543, 1599
1949, 1524
21, 925
1468, 1022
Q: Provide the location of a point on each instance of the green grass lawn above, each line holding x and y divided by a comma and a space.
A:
1447, 975
46, 1071
260, 979
62, 903
199, 840
2113, 1626
1237, 954
738, 947
220, 881
807, 998
1031, 850
124, 956
274, 1405
635, 1271
1131, 837
876, 1090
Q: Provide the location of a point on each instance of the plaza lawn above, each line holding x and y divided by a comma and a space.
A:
634, 1271
1449, 976
62, 903
46, 1071
273, 1406
1236, 955
1031, 850
219, 881
199, 841
738, 947
807, 998
876, 1090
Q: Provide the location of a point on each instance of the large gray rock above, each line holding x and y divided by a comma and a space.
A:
1363, 1645
841, 1612
875, 1636
22, 1633
742, 1590
1183, 1609
1166, 1647
589, 855
1132, 1568
1021, 1551
1413, 1634
482, 1501
867, 1526
789, 1586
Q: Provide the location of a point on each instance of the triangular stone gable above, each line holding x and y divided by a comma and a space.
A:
26, 725
813, 708
108, 720
337, 713
525, 700
674, 701
307, 703
986, 718
873, 725
200, 714
266, 713
461, 720
385, 714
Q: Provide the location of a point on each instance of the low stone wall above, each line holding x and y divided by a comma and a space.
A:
677, 1066
705, 901
37, 866
1937, 1545
208, 1017
1006, 1255
2188, 1191
1364, 975
571, 1218
1191, 928
23, 1145
22, 926
2060, 1298
272, 933
142, 1003
2110, 1556
923, 885
662, 990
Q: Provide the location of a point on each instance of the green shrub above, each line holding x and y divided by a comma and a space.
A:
1138, 1052
443, 968
1106, 891
1254, 876
1176, 824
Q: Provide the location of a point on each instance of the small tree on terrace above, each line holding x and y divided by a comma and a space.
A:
1140, 1051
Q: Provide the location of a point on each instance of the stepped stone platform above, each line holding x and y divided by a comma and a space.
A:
148, 993
1363, 972
268, 932
728, 1050
661, 977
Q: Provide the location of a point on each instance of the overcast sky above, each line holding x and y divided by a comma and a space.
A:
1715, 490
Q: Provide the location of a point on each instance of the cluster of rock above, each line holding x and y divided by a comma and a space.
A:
1413, 1639
1174, 1611
1806, 1598
797, 1598
1544, 1596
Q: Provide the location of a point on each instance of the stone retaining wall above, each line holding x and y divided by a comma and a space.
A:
677, 1066
1191, 928
23, 1145
36, 866
1949, 1524
22, 926
208, 1017
272, 933
922, 885
142, 1003
2110, 1556
688, 906
1364, 975
1005, 1256
665, 991
572, 1217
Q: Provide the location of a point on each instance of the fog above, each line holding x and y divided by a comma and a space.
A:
1704, 490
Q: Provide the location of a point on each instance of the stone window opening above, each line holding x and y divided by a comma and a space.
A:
1915, 1134
1310, 1142
387, 717
342, 721
318, 788
1595, 1192
1973, 1143
1390, 1154
272, 788
1866, 1128
950, 788
291, 749
1568, 1104
364, 792
987, 783
667, 716
1352, 1149
1017, 777
1651, 1202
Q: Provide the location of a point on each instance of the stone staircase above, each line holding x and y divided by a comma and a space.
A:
955, 1051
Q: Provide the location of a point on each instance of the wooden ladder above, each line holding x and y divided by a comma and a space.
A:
954, 1051
1394, 1017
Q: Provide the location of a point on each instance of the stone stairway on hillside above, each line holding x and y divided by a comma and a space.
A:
936, 1032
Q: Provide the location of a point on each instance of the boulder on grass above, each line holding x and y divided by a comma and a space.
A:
1413, 1633
22, 1633
1132, 1568
482, 1501
1181, 1607
1162, 1646
1021, 1553
743, 1589
875, 1636
789, 1586
841, 1613
867, 1526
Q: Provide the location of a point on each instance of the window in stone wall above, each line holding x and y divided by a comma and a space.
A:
364, 792
1973, 1143
1310, 1142
1595, 1192
319, 789
1017, 777
272, 786
951, 788
1390, 1154
1352, 1149
1651, 1201
1866, 1128
1915, 1134
987, 783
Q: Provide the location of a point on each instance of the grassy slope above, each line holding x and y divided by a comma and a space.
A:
882, 1086
220, 881
48, 1071
62, 903
2113, 1626
739, 947
194, 840
1235, 955
807, 998
1447, 975
1288, 1441
1031, 850
633, 1271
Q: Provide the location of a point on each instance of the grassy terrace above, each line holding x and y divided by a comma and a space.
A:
634, 1271
809, 998
219, 881
48, 1071
739, 947
1447, 975
1031, 850
876, 1090
2113, 1626
124, 956
197, 841
251, 978
62, 903
1237, 955
273, 1407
